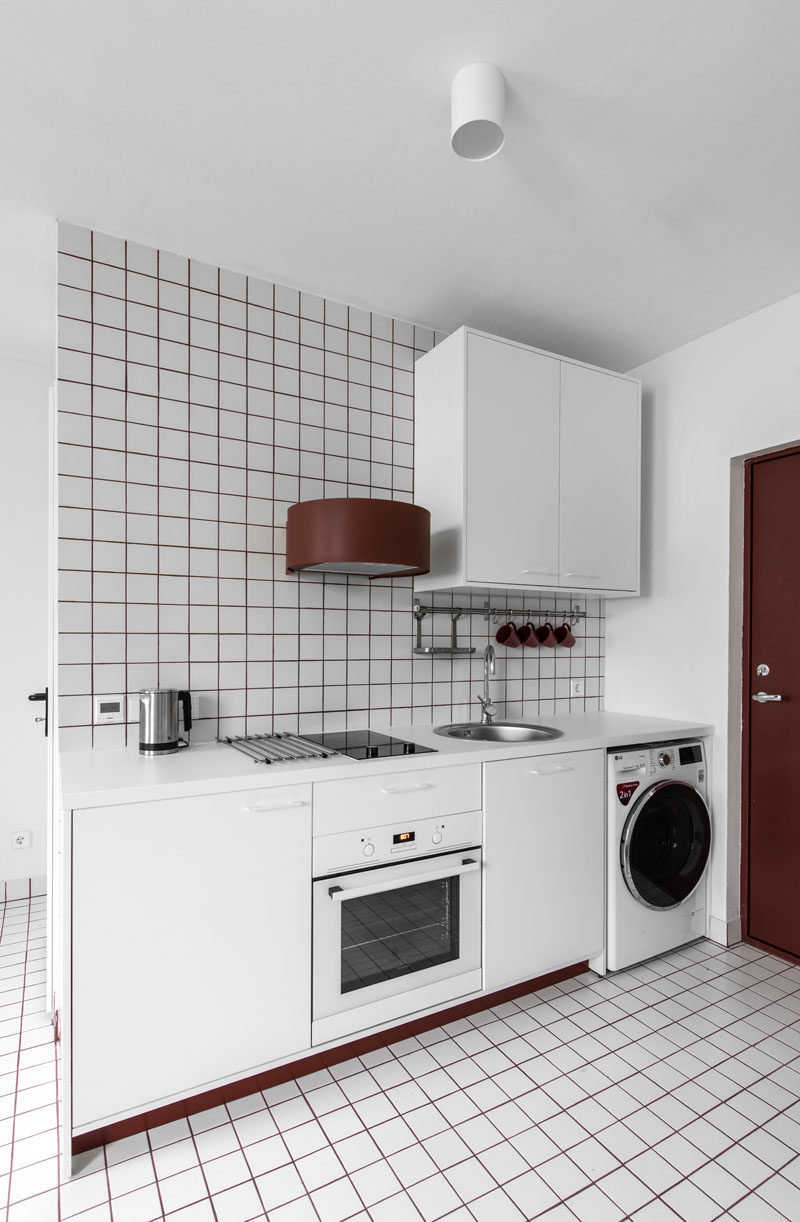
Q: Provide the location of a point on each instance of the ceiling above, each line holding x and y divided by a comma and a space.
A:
648, 191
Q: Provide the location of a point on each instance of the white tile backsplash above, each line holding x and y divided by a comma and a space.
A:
195, 405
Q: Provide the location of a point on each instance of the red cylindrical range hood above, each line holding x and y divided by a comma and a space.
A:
376, 538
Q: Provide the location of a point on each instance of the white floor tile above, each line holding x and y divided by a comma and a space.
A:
668, 1091
591, 1205
531, 1194
336, 1201
185, 1188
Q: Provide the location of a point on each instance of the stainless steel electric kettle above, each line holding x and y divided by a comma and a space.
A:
158, 720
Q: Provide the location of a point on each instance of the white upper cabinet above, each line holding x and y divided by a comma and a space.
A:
599, 464
512, 480
529, 464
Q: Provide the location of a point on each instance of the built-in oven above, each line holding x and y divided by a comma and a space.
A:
397, 921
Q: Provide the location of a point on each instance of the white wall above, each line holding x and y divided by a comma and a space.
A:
671, 652
27, 350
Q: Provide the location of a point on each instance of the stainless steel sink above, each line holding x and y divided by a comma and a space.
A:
498, 731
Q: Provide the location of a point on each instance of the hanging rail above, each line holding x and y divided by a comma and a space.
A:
451, 649
571, 615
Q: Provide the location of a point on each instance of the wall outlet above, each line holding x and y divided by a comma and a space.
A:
577, 687
20, 840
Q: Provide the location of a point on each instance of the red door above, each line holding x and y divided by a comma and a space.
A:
772, 699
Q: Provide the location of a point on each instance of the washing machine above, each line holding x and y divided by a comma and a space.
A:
658, 845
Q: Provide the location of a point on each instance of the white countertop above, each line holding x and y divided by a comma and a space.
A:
108, 778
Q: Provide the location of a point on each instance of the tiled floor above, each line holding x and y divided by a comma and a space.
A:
670, 1091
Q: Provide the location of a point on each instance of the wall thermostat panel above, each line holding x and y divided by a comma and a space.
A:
108, 709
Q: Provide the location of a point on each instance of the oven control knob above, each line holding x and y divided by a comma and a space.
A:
664, 759
369, 849
437, 837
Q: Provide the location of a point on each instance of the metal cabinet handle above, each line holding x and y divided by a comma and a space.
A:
538, 573
763, 698
550, 771
263, 807
585, 576
409, 788
339, 894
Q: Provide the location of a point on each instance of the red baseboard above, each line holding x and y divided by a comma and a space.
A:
311, 1064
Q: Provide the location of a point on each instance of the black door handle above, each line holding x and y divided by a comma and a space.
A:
45, 696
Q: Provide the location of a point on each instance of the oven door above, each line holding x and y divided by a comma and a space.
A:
395, 939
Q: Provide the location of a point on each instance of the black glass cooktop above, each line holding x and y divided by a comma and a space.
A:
367, 744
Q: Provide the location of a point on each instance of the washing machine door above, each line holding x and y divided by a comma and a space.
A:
665, 845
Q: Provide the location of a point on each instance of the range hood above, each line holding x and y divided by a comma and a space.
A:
361, 535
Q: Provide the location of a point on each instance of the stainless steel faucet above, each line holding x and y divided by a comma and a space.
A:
488, 709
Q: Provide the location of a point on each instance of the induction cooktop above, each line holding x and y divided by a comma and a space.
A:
367, 744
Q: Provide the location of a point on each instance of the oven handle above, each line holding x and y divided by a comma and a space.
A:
338, 894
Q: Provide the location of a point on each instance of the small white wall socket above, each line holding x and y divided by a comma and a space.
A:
577, 687
108, 710
20, 840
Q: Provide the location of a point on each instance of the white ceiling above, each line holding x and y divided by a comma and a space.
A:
648, 191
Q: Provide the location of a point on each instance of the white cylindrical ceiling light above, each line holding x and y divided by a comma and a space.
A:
478, 111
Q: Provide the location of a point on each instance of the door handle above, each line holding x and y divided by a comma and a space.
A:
584, 576
550, 771
763, 698
45, 696
340, 894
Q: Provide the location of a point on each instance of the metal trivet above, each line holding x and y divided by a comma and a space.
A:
276, 748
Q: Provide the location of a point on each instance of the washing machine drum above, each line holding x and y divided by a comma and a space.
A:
665, 845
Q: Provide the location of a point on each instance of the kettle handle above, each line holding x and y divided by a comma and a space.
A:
186, 704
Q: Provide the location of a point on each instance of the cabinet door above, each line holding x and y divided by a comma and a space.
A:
191, 945
512, 464
599, 517
544, 864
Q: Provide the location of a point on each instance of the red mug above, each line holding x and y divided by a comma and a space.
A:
564, 636
527, 635
546, 636
508, 635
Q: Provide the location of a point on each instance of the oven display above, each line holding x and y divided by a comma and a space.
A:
404, 837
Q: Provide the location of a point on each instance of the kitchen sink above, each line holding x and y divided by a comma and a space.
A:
498, 732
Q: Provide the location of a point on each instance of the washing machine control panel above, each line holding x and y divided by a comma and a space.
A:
644, 763
635, 768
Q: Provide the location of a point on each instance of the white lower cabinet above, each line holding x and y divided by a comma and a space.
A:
544, 842
191, 945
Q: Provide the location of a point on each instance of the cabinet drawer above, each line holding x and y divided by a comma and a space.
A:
341, 806
269, 801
